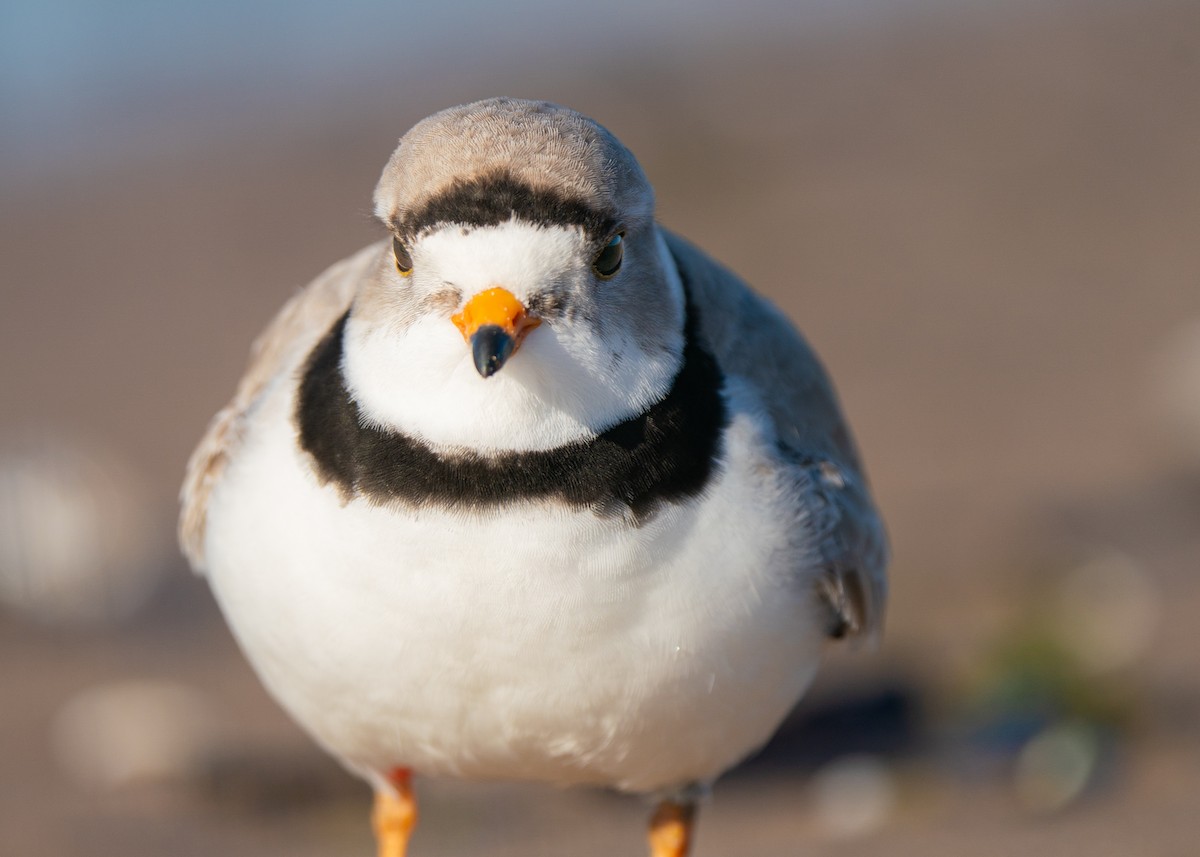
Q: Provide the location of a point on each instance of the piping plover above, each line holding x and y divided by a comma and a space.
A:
533, 489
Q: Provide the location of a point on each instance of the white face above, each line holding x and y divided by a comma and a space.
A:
604, 352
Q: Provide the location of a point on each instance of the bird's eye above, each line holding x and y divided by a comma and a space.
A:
403, 259
608, 261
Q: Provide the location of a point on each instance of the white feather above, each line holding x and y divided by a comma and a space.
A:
532, 642
562, 385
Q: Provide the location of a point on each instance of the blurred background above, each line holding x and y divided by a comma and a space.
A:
985, 216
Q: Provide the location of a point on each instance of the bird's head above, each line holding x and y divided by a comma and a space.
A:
526, 298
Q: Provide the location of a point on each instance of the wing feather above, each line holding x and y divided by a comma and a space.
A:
753, 340
293, 332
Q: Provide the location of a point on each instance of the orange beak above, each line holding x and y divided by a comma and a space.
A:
494, 322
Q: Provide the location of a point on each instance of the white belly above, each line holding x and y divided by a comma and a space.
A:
533, 643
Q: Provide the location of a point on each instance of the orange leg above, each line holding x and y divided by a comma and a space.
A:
671, 829
395, 815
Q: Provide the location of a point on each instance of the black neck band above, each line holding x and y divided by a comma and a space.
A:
668, 453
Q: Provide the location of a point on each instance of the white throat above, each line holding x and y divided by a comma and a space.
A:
570, 380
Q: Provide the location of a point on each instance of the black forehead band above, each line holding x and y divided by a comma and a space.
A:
494, 199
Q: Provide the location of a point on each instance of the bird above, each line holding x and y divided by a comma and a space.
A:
533, 489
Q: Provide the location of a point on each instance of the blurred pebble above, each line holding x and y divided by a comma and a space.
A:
1055, 768
855, 795
1110, 608
78, 544
1175, 386
129, 732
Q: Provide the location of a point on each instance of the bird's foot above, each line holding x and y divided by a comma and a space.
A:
671, 829
395, 814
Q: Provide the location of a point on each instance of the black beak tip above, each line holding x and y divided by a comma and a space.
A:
491, 347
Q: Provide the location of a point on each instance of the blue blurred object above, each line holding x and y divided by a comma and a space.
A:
884, 720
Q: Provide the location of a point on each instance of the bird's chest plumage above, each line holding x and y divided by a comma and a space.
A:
528, 641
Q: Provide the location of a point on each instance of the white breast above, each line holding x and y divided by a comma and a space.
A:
533, 642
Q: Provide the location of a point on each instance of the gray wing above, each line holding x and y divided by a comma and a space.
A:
291, 335
751, 339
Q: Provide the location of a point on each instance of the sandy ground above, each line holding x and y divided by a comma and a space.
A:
986, 229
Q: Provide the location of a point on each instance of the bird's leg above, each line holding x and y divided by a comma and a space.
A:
395, 814
671, 829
